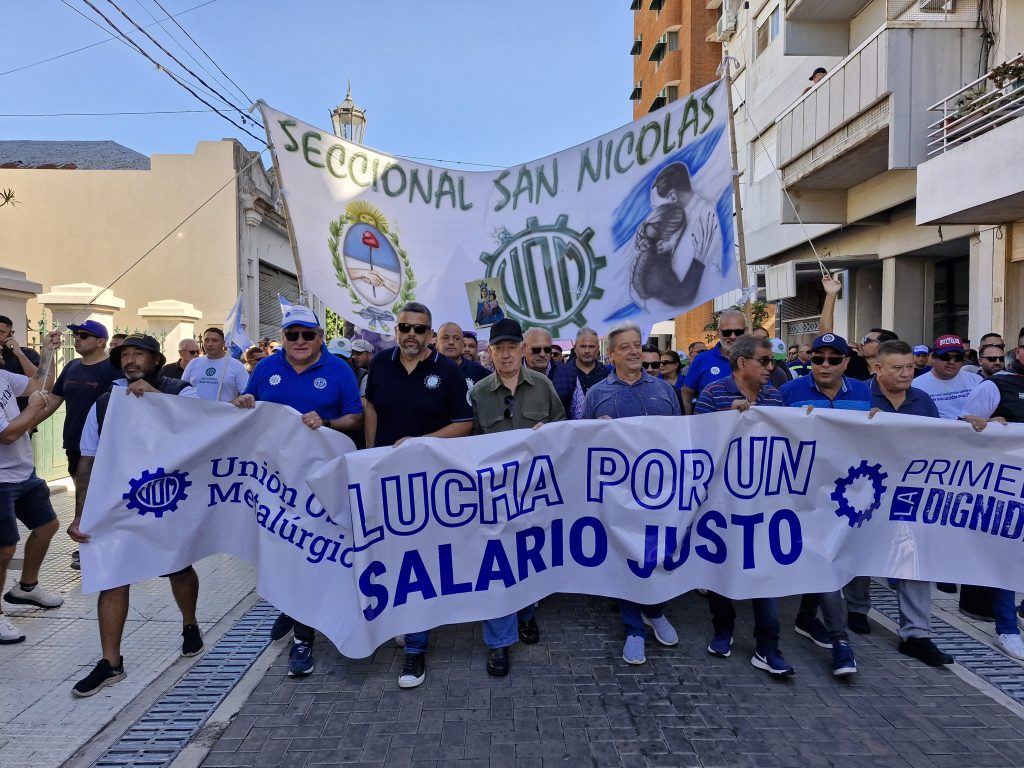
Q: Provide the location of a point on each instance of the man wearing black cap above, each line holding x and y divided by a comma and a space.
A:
513, 397
139, 358
815, 77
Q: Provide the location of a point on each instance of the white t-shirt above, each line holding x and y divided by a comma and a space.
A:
15, 459
205, 374
949, 396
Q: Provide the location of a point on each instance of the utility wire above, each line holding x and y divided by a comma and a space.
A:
111, 114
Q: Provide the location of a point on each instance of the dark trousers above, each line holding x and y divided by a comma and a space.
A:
766, 619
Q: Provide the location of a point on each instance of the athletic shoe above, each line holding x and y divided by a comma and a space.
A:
300, 660
529, 632
772, 663
414, 670
633, 650
813, 630
924, 650
101, 676
36, 596
986, 618
192, 640
282, 626
858, 622
1011, 645
9, 634
843, 662
943, 586
400, 641
721, 646
664, 632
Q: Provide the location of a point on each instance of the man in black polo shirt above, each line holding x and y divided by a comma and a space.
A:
588, 370
451, 343
413, 391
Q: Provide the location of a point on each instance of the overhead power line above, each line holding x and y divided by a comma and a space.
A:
113, 114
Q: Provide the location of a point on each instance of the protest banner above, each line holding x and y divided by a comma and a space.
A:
771, 502
636, 224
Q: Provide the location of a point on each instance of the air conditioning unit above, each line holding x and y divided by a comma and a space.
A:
945, 6
726, 27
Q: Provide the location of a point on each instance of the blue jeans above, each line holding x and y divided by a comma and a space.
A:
766, 619
633, 613
1004, 606
498, 633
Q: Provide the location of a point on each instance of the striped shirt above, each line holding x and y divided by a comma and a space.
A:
719, 396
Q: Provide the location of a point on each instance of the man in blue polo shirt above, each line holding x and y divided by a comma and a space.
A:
321, 387
713, 364
414, 391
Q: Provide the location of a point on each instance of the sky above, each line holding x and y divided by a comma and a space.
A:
493, 82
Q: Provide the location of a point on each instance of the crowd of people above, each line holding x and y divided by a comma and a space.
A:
431, 384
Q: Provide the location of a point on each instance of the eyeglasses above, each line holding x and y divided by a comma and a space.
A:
538, 350
764, 362
294, 335
510, 402
418, 328
727, 332
820, 359
950, 357
655, 365
992, 358
84, 335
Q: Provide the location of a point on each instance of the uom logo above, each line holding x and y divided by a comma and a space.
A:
153, 493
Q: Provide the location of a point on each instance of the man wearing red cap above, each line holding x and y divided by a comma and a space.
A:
946, 384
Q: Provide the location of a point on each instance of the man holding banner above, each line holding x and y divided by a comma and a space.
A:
216, 375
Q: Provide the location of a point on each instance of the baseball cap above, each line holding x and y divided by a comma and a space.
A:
91, 326
361, 345
506, 330
821, 70
470, 334
921, 349
299, 315
340, 346
141, 341
948, 343
778, 348
838, 343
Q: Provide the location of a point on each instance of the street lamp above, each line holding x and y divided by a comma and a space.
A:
349, 120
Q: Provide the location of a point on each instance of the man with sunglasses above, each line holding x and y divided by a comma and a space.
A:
946, 384
713, 364
188, 350
537, 348
992, 360
861, 363
323, 389
631, 390
414, 391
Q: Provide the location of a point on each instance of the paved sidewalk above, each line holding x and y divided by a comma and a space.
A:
572, 701
41, 725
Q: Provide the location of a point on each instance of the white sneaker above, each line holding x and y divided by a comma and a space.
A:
9, 634
664, 632
1011, 645
38, 596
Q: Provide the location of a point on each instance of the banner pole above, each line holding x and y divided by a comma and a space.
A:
727, 62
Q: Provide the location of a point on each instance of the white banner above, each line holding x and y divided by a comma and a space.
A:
636, 224
770, 502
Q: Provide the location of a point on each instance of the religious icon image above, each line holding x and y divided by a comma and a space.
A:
485, 301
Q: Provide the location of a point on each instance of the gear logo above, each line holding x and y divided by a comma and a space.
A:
433, 381
154, 493
275, 380
865, 483
548, 273
211, 371
320, 382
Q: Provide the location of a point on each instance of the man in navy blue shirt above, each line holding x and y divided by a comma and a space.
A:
321, 387
452, 344
537, 347
414, 391
713, 364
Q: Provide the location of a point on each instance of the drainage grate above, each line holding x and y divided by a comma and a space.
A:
157, 737
988, 664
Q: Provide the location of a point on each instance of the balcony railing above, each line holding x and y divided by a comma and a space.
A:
978, 107
831, 11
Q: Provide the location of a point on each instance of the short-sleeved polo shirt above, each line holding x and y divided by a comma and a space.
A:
414, 404
328, 386
916, 403
719, 396
710, 365
616, 398
853, 395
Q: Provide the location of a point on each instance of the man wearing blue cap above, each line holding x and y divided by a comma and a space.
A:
320, 386
922, 352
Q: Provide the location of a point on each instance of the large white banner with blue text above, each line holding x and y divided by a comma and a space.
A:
392, 540
636, 224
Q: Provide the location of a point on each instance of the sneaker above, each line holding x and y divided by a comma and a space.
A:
300, 660
943, 586
664, 632
192, 640
400, 641
1011, 645
721, 646
843, 662
414, 670
101, 676
529, 632
924, 650
813, 630
9, 634
36, 596
633, 650
282, 626
858, 622
986, 618
773, 663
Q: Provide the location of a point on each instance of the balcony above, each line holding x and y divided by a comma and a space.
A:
826, 11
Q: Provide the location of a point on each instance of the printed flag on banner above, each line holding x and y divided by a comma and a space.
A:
636, 224
235, 337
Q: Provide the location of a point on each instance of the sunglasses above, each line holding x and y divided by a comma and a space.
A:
651, 365
192, 352
868, 340
418, 328
992, 358
764, 362
294, 335
84, 335
510, 402
727, 332
820, 359
538, 350
668, 362
950, 357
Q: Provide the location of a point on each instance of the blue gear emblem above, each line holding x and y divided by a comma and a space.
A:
154, 493
872, 472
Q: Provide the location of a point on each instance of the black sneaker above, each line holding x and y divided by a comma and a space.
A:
414, 670
192, 640
529, 632
76, 560
102, 675
945, 586
924, 650
282, 626
858, 622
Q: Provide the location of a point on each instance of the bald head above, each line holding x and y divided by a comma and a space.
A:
537, 349
450, 342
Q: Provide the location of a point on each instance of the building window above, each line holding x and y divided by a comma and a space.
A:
672, 39
671, 93
951, 297
767, 31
